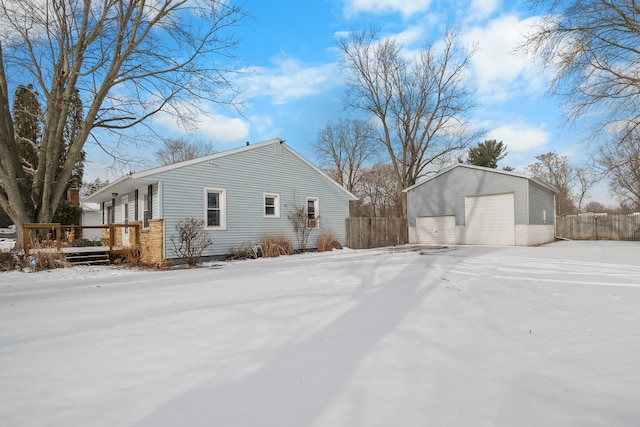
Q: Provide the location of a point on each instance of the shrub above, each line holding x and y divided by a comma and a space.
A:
128, 256
46, 260
191, 241
7, 261
274, 246
83, 243
302, 225
238, 252
328, 241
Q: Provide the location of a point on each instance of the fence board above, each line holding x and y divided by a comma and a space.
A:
365, 233
596, 227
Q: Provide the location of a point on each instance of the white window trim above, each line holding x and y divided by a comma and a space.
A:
316, 203
223, 208
276, 197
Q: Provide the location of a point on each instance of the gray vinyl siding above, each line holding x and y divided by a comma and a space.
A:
445, 194
246, 176
540, 199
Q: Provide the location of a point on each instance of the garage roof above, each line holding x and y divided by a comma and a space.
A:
489, 170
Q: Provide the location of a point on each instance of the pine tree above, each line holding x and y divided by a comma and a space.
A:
487, 154
27, 123
71, 131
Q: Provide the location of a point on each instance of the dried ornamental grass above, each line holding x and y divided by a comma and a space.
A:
274, 246
328, 242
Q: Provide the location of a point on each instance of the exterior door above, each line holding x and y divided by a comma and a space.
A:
490, 220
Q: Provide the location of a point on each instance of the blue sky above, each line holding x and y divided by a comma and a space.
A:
293, 84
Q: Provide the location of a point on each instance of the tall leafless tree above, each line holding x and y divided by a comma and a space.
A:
557, 171
379, 192
128, 60
344, 148
593, 46
176, 150
621, 162
422, 103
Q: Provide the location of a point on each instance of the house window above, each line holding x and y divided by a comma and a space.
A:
271, 205
215, 209
312, 212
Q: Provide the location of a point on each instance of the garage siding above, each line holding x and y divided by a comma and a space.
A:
458, 190
445, 194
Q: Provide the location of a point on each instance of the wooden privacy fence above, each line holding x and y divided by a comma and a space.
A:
365, 233
599, 227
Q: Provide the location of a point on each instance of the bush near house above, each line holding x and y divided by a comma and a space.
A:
274, 246
328, 242
49, 260
7, 261
191, 241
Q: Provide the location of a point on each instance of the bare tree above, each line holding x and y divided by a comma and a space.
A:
621, 162
585, 177
127, 60
593, 46
379, 192
191, 241
179, 150
422, 103
557, 171
595, 207
303, 224
343, 149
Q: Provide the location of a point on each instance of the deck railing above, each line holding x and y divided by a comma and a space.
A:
57, 236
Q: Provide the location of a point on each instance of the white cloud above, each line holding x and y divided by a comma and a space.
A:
501, 72
290, 79
405, 7
208, 124
220, 128
263, 128
481, 9
520, 137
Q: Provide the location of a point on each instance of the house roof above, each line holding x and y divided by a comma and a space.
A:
133, 180
484, 169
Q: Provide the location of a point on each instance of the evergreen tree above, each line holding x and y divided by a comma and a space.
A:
71, 130
27, 123
487, 154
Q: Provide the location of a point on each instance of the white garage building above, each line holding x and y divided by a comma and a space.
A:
473, 205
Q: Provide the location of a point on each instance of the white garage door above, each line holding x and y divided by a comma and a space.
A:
490, 220
436, 230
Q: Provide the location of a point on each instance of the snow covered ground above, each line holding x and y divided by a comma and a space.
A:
465, 336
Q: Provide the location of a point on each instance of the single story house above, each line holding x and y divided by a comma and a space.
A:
240, 194
473, 205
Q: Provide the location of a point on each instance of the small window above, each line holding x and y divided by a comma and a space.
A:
215, 208
312, 213
271, 205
